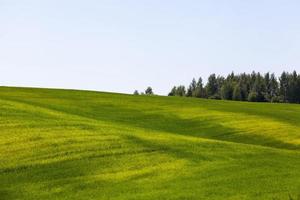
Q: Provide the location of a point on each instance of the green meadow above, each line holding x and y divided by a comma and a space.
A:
69, 144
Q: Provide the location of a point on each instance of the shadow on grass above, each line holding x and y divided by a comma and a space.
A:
147, 119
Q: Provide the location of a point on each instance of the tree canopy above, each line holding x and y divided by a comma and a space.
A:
245, 87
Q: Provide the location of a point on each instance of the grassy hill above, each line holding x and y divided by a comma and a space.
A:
68, 144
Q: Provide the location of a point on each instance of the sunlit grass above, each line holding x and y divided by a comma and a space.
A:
64, 144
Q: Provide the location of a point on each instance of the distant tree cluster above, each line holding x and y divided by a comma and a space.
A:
253, 87
148, 91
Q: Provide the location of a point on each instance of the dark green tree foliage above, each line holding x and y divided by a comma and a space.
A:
220, 82
189, 92
173, 91
290, 87
149, 91
237, 95
199, 90
297, 91
293, 87
252, 97
178, 91
192, 88
245, 87
259, 88
227, 90
284, 86
136, 92
268, 87
212, 86
273, 90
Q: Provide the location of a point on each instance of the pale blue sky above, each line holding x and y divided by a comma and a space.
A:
122, 45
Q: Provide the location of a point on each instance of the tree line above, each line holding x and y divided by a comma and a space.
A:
254, 87
148, 91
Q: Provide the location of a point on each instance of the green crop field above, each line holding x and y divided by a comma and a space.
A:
68, 144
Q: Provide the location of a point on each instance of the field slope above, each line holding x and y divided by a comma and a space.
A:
68, 144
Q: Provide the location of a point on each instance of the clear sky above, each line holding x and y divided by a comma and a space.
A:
122, 45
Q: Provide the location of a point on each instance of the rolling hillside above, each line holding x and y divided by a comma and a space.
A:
68, 144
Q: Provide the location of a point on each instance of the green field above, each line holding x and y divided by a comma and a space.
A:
68, 144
